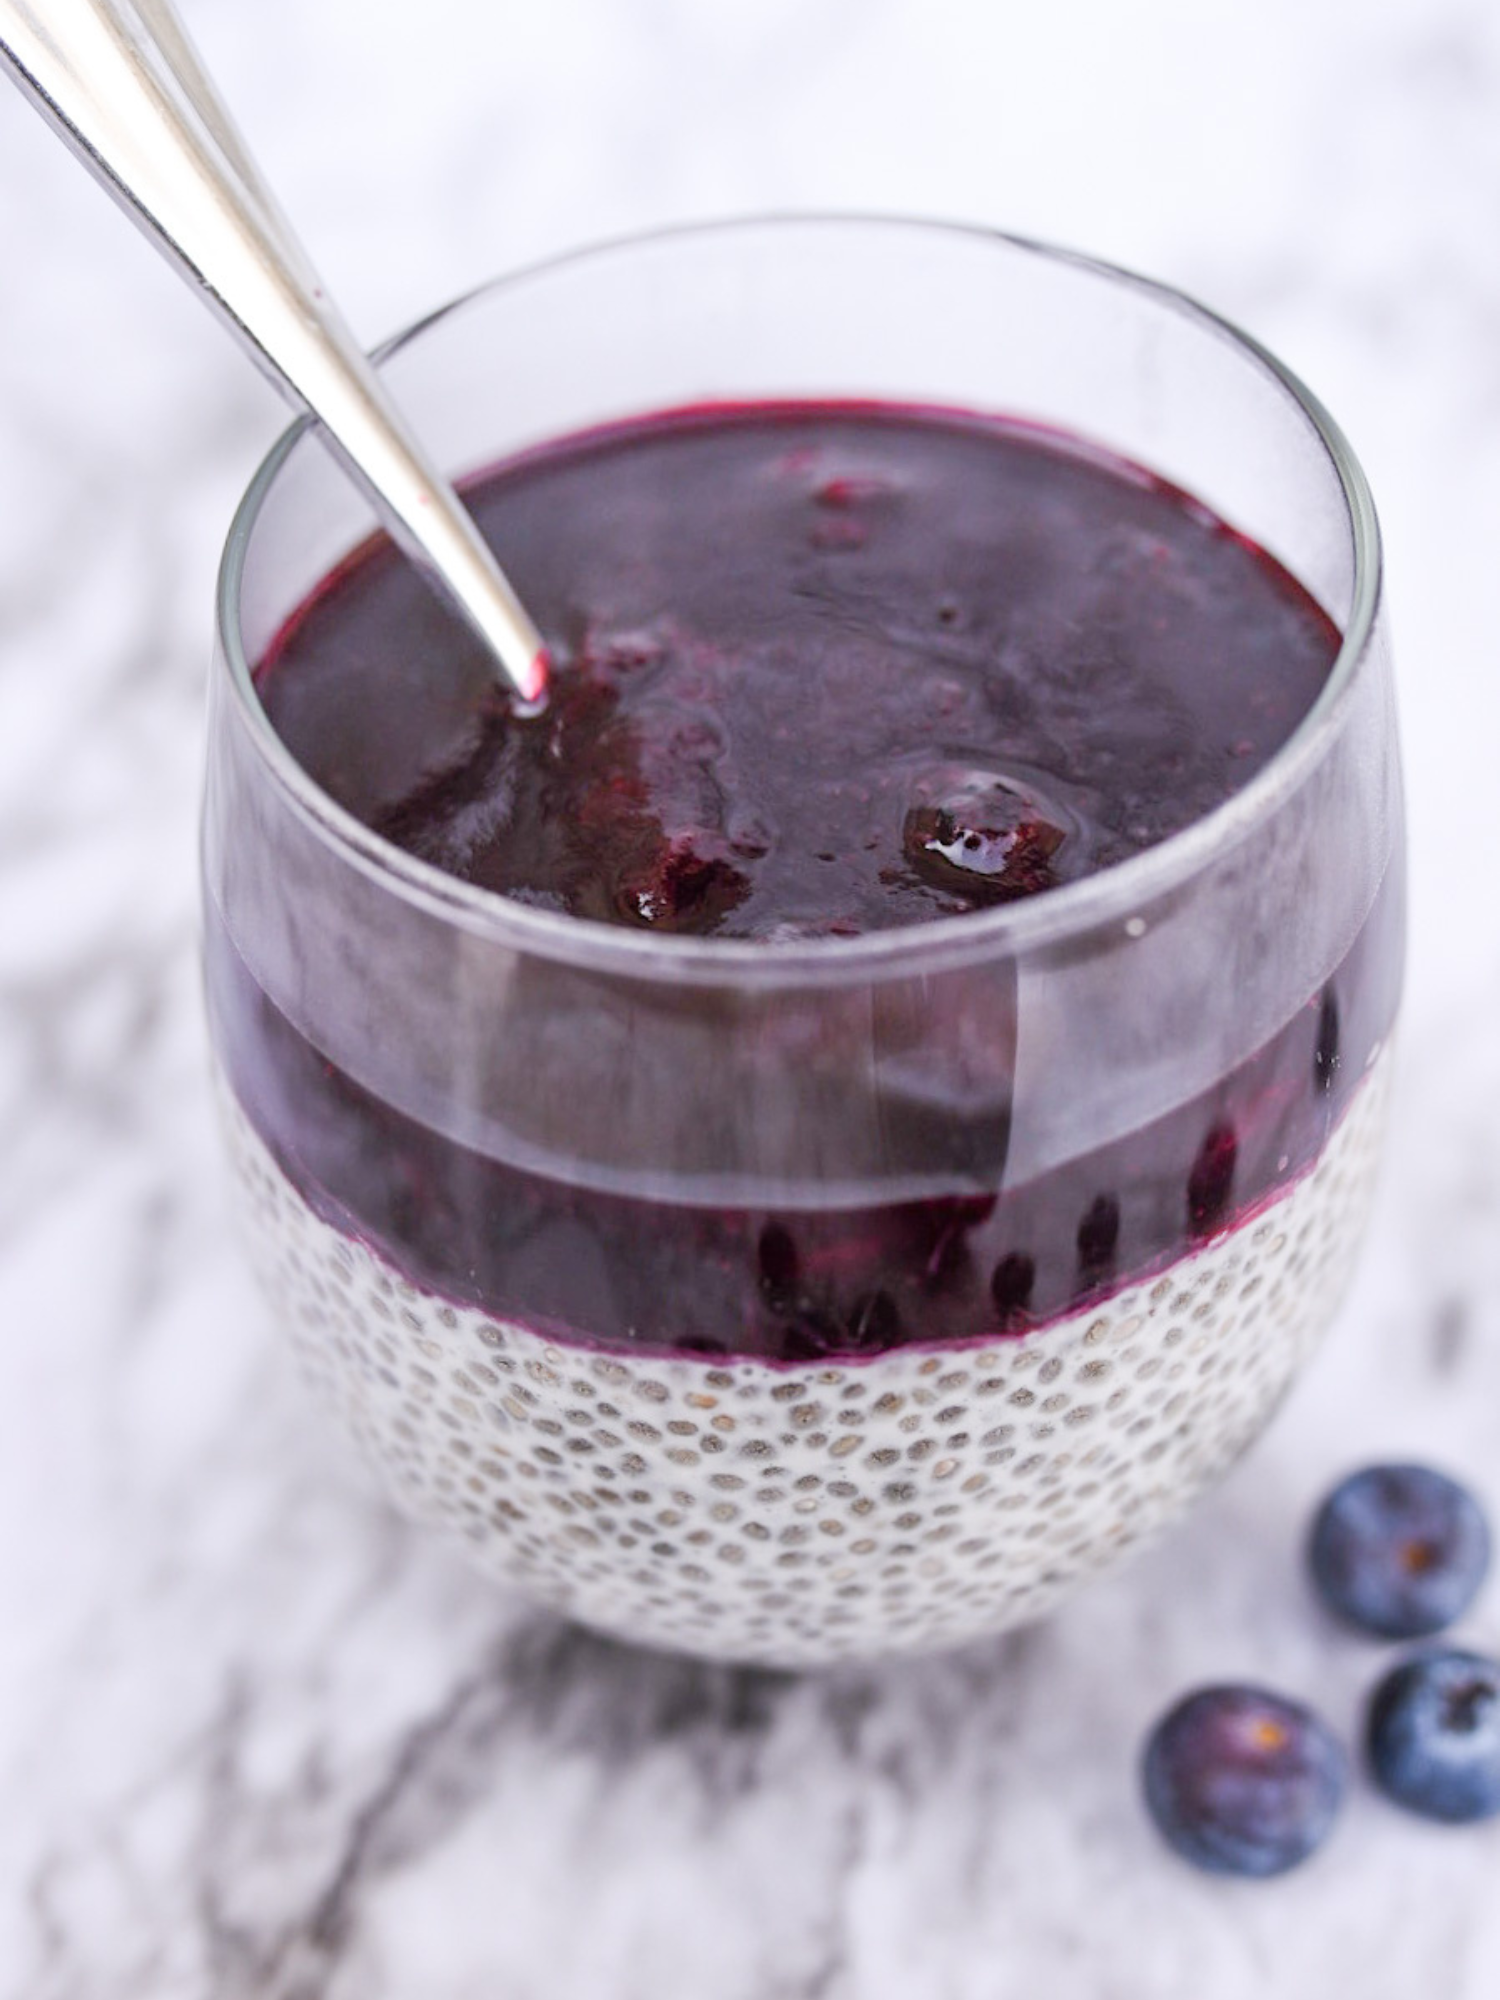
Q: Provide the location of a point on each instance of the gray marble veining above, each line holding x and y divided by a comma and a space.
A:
257, 1738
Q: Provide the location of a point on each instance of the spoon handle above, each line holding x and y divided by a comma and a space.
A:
123, 85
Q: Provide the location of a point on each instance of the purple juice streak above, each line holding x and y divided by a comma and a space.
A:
819, 670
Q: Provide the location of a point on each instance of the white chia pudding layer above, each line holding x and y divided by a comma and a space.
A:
797, 1515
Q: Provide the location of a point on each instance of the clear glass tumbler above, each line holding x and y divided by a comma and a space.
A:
1046, 1204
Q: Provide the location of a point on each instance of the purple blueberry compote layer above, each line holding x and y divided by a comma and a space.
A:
580, 1263
819, 670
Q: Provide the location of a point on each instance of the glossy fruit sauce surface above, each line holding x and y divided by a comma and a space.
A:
820, 670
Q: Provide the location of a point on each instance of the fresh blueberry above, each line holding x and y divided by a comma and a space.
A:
1399, 1550
1243, 1782
1433, 1736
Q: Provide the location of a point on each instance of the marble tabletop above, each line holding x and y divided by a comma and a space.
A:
257, 1738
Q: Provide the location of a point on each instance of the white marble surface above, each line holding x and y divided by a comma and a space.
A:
256, 1738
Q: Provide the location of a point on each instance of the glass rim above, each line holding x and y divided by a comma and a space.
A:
1075, 908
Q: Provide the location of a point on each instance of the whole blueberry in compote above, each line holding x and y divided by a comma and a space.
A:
1326, 1053
1098, 1237
984, 838
1211, 1182
1012, 1284
1433, 1736
1399, 1550
1241, 1781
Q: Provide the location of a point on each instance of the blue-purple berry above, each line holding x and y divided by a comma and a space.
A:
1399, 1551
1241, 1781
1433, 1736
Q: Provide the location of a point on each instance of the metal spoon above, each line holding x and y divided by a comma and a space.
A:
123, 85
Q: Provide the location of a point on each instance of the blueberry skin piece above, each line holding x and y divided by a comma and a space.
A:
1241, 1781
1433, 1736
1399, 1551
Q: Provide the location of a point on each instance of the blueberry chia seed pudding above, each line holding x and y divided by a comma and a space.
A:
630, 1297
